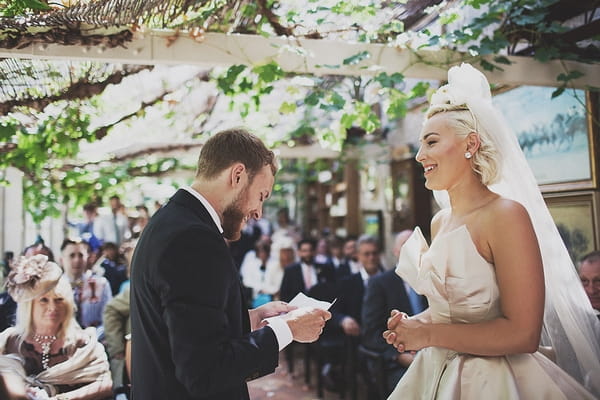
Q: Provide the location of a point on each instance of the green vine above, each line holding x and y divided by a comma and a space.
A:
41, 150
12, 8
333, 110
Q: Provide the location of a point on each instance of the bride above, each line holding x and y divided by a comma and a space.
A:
497, 276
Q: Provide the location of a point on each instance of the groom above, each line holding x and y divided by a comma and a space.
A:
192, 338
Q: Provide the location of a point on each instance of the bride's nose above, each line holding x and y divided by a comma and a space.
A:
419, 157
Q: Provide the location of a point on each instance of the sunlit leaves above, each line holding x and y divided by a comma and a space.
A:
393, 27
269, 72
43, 153
361, 116
287, 107
313, 98
255, 83
501, 25
226, 82
397, 107
333, 102
389, 81
11, 8
565, 79
357, 58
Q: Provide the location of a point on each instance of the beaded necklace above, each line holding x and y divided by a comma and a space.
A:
45, 342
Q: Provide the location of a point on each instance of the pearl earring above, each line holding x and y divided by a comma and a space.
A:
468, 155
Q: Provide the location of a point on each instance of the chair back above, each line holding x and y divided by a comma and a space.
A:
375, 363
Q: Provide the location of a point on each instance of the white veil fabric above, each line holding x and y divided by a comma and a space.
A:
570, 327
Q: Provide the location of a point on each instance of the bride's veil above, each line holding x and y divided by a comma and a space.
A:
571, 327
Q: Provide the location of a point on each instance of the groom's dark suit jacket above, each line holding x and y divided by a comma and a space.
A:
190, 331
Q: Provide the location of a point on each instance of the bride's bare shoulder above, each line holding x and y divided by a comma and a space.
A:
507, 210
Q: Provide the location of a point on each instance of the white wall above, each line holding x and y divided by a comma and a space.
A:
18, 229
11, 212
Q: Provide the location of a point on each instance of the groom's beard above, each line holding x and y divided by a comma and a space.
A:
233, 218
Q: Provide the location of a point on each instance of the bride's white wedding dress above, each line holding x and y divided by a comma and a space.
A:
461, 287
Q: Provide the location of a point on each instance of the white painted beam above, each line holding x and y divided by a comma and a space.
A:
310, 152
310, 56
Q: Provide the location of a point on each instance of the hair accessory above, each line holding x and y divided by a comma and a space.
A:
31, 277
466, 85
468, 155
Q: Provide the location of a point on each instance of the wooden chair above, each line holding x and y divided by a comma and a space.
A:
128, 356
126, 388
375, 366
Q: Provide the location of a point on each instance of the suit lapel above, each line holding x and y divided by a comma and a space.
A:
245, 316
300, 277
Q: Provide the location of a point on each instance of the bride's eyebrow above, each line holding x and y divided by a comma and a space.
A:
427, 135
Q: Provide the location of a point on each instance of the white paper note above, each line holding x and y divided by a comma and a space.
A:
303, 301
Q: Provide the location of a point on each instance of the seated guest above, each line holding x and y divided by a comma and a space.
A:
8, 307
285, 251
113, 266
285, 227
386, 292
39, 247
323, 253
254, 274
306, 276
46, 348
346, 312
117, 325
336, 248
91, 292
589, 272
302, 276
349, 264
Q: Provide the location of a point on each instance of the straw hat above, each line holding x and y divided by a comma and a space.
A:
31, 277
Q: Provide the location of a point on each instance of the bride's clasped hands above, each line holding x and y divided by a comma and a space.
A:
406, 334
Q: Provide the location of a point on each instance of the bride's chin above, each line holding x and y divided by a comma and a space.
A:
431, 186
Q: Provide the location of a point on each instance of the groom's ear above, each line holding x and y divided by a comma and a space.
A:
473, 142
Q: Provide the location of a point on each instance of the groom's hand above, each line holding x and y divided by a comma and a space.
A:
271, 309
306, 323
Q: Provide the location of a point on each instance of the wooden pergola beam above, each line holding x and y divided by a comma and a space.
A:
304, 56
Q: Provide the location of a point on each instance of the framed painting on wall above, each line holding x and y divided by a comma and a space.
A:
576, 217
555, 134
373, 225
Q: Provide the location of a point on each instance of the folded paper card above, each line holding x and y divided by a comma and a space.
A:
303, 301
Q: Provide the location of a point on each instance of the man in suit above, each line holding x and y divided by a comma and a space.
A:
310, 278
113, 227
349, 264
346, 312
589, 272
385, 292
192, 337
306, 276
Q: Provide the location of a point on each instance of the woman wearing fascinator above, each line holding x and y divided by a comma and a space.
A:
47, 350
497, 276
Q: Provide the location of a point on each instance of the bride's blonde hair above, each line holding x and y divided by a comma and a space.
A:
485, 161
